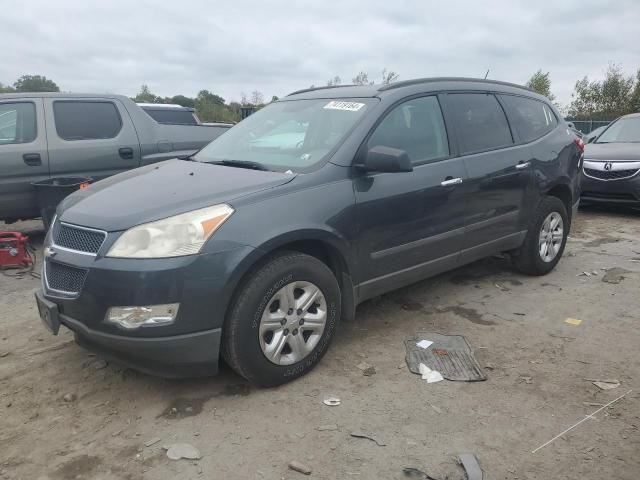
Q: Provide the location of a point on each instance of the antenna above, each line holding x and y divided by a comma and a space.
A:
486, 74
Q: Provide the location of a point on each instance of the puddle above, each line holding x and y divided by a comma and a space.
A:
602, 241
470, 314
189, 407
82, 466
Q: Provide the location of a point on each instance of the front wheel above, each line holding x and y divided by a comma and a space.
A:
545, 240
282, 320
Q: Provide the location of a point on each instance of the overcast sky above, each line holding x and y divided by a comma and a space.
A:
230, 47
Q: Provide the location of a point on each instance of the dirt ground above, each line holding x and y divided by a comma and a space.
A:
536, 388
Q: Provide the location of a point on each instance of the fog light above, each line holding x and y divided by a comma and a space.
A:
149, 315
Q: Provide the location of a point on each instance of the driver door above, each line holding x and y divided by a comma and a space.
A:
410, 225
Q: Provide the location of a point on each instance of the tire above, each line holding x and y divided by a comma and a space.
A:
529, 257
253, 327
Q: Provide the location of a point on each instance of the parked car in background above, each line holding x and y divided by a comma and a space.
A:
171, 114
612, 164
259, 244
45, 135
593, 134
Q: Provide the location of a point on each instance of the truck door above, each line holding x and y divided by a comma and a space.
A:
90, 137
23, 156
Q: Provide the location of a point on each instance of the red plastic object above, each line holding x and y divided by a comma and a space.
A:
13, 250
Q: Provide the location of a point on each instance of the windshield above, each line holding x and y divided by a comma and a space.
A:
290, 135
625, 130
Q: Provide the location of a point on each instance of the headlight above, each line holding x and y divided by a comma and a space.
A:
176, 236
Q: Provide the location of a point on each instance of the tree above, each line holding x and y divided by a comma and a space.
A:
211, 108
361, 78
540, 82
274, 98
335, 81
389, 77
257, 98
35, 83
184, 101
634, 101
607, 99
6, 89
145, 96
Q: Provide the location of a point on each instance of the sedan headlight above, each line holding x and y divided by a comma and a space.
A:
177, 236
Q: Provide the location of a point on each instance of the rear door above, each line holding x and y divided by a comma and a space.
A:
498, 173
23, 156
410, 225
90, 138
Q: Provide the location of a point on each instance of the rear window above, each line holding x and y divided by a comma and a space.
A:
81, 120
17, 123
480, 121
530, 118
172, 117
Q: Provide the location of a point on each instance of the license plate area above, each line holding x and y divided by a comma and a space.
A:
49, 313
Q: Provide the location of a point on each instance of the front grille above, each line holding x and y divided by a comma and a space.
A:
610, 174
76, 238
64, 278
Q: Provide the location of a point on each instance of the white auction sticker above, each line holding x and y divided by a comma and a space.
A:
349, 106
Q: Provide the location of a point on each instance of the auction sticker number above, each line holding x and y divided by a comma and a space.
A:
349, 106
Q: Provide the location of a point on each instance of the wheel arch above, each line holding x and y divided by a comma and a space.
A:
562, 191
328, 247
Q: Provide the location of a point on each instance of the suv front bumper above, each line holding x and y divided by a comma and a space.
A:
188, 347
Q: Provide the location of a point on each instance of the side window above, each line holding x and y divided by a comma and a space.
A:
530, 118
480, 122
82, 120
17, 123
415, 126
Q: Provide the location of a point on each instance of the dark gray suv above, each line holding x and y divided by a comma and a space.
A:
255, 247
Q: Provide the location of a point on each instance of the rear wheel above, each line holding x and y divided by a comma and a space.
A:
545, 240
282, 320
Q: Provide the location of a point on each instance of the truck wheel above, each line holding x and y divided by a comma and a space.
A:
282, 319
545, 240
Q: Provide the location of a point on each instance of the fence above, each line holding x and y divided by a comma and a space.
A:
587, 126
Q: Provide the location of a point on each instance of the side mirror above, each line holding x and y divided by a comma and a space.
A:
387, 160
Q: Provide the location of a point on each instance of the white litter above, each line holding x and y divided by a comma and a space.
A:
431, 376
424, 344
331, 401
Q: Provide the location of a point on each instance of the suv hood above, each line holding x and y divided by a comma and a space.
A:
161, 190
624, 152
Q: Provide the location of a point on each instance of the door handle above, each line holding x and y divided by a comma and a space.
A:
126, 153
522, 165
451, 181
32, 159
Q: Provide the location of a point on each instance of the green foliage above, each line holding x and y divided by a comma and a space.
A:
540, 82
145, 96
35, 83
6, 89
212, 108
607, 99
184, 101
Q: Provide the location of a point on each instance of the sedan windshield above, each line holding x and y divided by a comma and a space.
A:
289, 135
625, 130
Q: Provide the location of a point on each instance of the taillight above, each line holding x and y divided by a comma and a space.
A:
580, 144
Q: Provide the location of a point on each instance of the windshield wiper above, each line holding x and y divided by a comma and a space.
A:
241, 164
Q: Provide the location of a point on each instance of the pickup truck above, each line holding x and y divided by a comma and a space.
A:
47, 135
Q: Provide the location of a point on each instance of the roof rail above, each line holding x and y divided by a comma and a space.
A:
311, 89
417, 81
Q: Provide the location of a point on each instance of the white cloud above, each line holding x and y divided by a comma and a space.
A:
277, 46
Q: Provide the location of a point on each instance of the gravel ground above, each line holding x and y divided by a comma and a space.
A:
118, 421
